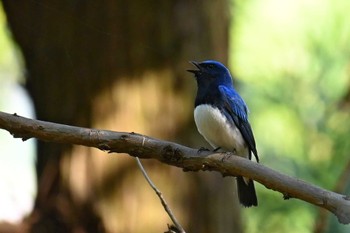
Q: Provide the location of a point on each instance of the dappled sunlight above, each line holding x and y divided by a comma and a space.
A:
18, 179
321, 148
284, 134
291, 62
17, 159
144, 105
292, 59
135, 199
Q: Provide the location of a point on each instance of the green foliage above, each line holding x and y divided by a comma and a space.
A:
10, 70
294, 59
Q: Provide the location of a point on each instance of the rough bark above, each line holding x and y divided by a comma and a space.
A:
180, 156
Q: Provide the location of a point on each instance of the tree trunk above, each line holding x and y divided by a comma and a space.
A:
120, 65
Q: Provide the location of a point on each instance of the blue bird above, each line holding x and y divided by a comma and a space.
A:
221, 117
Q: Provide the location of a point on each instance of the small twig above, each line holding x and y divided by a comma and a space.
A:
160, 195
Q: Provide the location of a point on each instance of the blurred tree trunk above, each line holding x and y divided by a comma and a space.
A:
120, 65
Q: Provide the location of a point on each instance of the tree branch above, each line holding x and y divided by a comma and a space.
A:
177, 155
322, 220
160, 195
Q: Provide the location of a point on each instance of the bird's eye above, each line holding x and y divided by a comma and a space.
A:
210, 66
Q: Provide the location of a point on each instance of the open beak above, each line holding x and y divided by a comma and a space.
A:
196, 64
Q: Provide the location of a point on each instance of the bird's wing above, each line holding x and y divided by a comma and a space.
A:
236, 109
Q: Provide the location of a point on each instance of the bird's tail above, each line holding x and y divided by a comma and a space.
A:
246, 192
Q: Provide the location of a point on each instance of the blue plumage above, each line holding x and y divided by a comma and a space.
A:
236, 109
221, 117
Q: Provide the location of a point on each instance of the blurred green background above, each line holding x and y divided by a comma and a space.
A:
291, 60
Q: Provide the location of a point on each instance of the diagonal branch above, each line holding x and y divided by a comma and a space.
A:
178, 155
322, 220
160, 195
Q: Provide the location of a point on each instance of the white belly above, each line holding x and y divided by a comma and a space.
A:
214, 127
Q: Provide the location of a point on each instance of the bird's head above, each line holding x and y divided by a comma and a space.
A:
211, 73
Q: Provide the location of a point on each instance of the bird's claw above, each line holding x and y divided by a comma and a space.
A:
202, 149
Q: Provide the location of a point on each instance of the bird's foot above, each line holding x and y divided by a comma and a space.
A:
202, 149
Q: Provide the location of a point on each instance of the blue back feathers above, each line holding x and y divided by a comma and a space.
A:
215, 88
